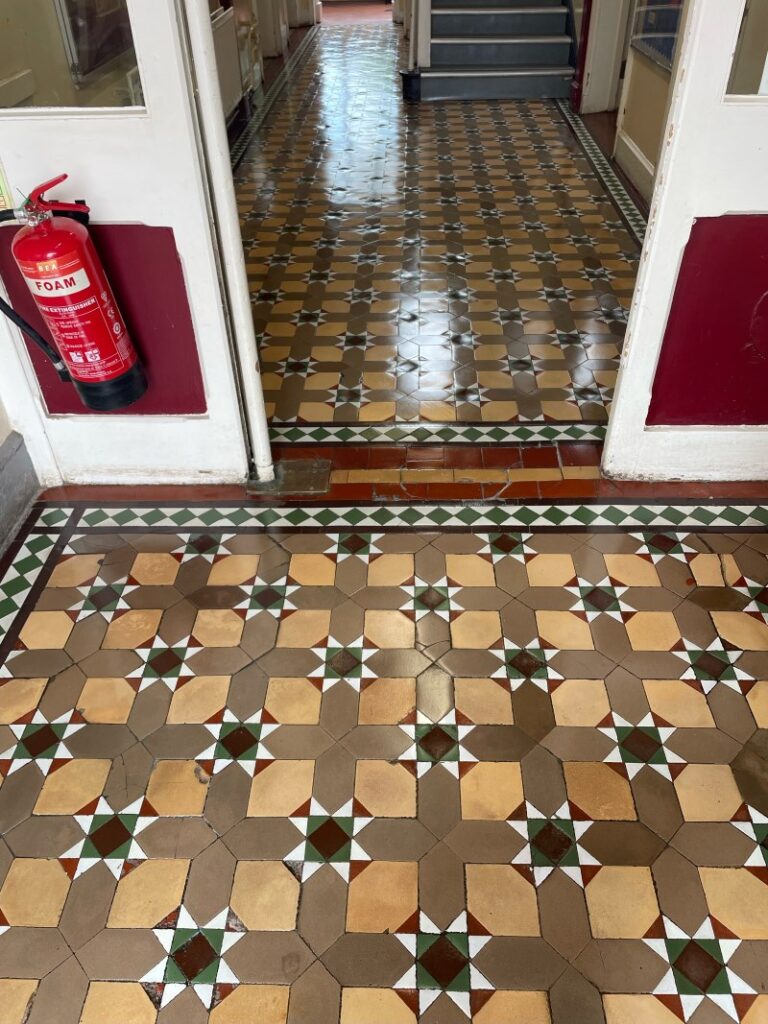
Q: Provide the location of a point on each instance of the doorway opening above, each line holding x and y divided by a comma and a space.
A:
623, 89
433, 273
350, 11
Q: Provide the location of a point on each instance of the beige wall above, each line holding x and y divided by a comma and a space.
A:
645, 104
643, 111
30, 39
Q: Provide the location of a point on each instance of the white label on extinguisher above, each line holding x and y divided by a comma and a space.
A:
67, 284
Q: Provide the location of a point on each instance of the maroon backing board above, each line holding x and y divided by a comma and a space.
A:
144, 269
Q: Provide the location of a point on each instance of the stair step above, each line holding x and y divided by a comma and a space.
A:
482, 21
470, 83
507, 5
536, 51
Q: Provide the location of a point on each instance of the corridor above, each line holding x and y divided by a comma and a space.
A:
435, 264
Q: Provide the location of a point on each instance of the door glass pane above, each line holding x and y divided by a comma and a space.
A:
749, 74
67, 53
656, 28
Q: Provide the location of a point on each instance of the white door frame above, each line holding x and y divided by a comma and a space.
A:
713, 162
605, 52
245, 355
144, 165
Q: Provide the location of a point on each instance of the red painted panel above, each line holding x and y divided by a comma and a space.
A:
713, 367
145, 271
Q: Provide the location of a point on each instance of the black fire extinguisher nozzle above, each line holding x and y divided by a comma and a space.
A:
7, 215
37, 339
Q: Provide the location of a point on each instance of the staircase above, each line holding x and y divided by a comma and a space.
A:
498, 49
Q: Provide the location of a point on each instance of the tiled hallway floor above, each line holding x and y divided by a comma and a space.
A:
440, 263
505, 764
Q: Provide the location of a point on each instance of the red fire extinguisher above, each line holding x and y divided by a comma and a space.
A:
62, 270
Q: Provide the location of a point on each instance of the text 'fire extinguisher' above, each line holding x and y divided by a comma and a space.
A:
61, 267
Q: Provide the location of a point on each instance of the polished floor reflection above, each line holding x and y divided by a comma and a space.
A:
436, 263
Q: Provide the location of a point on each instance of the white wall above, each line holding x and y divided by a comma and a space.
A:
140, 166
713, 162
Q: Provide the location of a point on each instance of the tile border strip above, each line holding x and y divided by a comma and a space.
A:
437, 433
469, 516
629, 210
268, 98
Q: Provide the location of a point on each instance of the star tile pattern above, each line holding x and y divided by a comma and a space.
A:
470, 271
476, 774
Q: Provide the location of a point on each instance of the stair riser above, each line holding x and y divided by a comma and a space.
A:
511, 55
518, 87
441, 5
502, 24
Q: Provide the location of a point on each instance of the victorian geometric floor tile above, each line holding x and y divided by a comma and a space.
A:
312, 773
459, 270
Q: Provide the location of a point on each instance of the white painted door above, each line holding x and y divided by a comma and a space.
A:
134, 164
714, 162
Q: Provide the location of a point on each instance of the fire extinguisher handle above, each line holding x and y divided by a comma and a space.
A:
37, 201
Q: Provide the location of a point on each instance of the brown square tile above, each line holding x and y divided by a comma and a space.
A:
155, 569
117, 1001
198, 700
106, 701
502, 900
475, 630
564, 630
382, 897
374, 1005
177, 788
621, 902
33, 893
267, 1004
385, 790
131, 629
599, 791
484, 701
46, 630
18, 697
293, 701
304, 628
148, 894
15, 997
218, 627
386, 701
652, 631
678, 703
73, 786
281, 788
265, 896
580, 702
491, 791
707, 792
389, 629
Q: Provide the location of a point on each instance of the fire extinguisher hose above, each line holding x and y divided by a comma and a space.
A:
27, 328
37, 338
